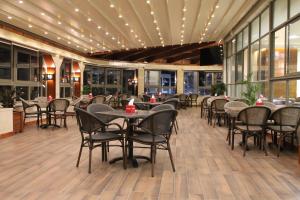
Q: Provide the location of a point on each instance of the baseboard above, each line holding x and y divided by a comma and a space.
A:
5, 135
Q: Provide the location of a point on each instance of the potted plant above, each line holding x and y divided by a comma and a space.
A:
8, 98
219, 89
86, 90
252, 90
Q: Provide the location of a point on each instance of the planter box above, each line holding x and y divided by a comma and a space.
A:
6, 120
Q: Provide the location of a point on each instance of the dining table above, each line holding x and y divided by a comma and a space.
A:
149, 104
131, 118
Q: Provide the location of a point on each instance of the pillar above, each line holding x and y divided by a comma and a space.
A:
141, 83
180, 81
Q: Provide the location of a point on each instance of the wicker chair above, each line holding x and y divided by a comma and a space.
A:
218, 111
98, 99
193, 99
183, 100
174, 102
155, 131
163, 107
58, 110
204, 107
286, 121
253, 123
93, 135
31, 111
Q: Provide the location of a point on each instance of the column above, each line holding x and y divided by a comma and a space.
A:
141, 83
180, 81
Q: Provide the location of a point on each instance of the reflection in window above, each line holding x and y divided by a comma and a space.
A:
264, 88
152, 78
255, 30
294, 48
279, 52
280, 12
3, 89
294, 90
22, 92
279, 92
239, 66
189, 82
23, 66
240, 41
65, 71
5, 61
264, 22
34, 93
294, 7
245, 64
113, 77
264, 58
254, 60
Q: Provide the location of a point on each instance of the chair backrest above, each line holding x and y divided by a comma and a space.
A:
88, 123
173, 101
204, 101
99, 99
99, 107
163, 107
286, 116
59, 105
254, 115
218, 104
182, 97
25, 104
231, 104
194, 96
241, 100
159, 123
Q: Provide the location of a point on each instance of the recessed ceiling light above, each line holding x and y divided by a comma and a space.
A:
139, 40
58, 38
184, 9
91, 40
76, 10
148, 1
112, 5
120, 16
163, 45
20, 1
59, 22
217, 6
152, 13
46, 33
127, 49
123, 46
183, 18
77, 46
69, 42
203, 34
212, 15
98, 44
82, 35
157, 28
42, 13
145, 47
107, 33
131, 31
155, 21
89, 19
181, 36
9, 17
208, 23
113, 38
119, 42
206, 29
99, 27
136, 36
85, 49
30, 26
103, 47
126, 24
182, 26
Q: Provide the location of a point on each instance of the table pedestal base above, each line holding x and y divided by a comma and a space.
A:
133, 161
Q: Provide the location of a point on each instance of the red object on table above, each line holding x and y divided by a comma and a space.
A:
259, 103
90, 95
49, 98
152, 100
130, 109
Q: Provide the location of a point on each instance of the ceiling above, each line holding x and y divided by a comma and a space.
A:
105, 25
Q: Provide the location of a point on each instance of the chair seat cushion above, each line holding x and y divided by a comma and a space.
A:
250, 128
283, 128
105, 136
147, 138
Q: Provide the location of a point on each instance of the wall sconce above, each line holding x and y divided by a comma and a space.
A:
75, 79
48, 77
134, 81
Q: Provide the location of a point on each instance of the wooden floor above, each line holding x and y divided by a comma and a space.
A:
40, 164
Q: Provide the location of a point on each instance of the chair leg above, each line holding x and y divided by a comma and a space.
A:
279, 143
245, 143
79, 155
232, 140
90, 157
171, 156
124, 151
176, 123
264, 135
152, 160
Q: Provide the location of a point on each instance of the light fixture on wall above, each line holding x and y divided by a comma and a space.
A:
47, 77
75, 79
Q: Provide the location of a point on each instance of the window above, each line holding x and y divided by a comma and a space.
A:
5, 61
231, 69
168, 82
190, 78
34, 92
152, 78
294, 47
113, 77
264, 58
279, 12
23, 92
255, 30
23, 66
245, 64
229, 49
245, 36
279, 92
254, 60
294, 89
240, 41
294, 7
3, 89
264, 22
279, 53
239, 66
66, 71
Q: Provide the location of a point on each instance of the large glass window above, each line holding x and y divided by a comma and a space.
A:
294, 47
264, 58
168, 82
240, 41
294, 90
279, 12
245, 37
279, 92
279, 53
23, 66
66, 71
255, 30
239, 66
5, 61
264, 22
254, 60
294, 7
245, 64
113, 77
22, 92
